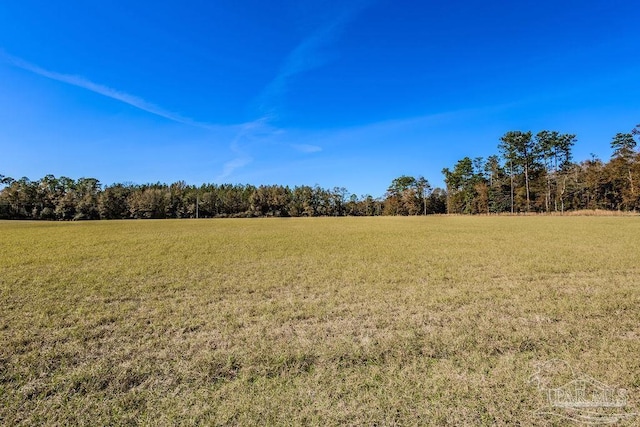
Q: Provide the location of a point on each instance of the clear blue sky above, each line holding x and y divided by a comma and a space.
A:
336, 93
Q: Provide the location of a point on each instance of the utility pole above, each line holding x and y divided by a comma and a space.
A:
197, 204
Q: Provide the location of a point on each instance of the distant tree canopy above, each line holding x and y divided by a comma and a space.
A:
63, 198
533, 173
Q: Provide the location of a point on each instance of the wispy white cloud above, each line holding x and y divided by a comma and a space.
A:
109, 92
306, 56
306, 148
229, 167
248, 133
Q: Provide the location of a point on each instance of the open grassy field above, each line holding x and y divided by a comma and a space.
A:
325, 321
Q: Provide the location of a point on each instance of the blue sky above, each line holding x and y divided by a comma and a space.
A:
348, 93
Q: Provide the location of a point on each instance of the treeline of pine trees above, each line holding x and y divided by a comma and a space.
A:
532, 173
535, 173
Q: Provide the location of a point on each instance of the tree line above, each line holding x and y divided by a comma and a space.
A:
536, 173
531, 173
63, 198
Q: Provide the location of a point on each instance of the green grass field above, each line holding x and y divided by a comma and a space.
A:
324, 321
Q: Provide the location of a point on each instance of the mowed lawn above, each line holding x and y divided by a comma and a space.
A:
320, 321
